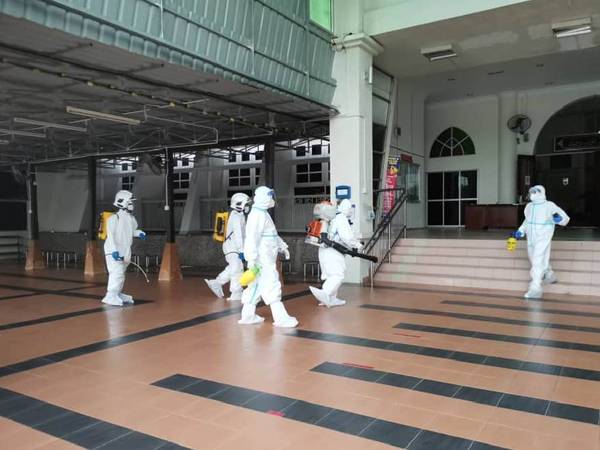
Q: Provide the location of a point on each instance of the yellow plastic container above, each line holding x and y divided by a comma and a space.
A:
511, 244
249, 276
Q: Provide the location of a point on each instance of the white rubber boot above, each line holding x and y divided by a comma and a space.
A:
549, 278
249, 316
112, 299
281, 318
126, 299
235, 297
325, 299
215, 287
533, 293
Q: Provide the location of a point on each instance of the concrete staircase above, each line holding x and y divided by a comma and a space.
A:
486, 264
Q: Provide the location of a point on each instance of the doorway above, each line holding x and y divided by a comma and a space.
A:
448, 194
567, 153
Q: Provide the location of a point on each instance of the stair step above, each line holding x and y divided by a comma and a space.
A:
487, 262
491, 273
568, 255
398, 279
591, 246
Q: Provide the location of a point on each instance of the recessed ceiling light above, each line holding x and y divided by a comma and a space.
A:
549, 83
451, 79
470, 94
437, 53
497, 72
572, 28
539, 65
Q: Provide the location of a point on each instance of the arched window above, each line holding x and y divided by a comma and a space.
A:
452, 142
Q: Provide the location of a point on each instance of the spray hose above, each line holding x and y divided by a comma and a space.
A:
345, 250
141, 270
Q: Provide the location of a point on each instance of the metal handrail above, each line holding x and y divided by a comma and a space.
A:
387, 232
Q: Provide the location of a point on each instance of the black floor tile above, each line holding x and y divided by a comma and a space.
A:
527, 404
40, 414
235, 395
583, 374
176, 382
397, 380
435, 352
135, 440
69, 423
345, 422
429, 440
403, 348
332, 368
306, 412
549, 369
482, 446
481, 396
96, 435
571, 412
437, 388
13, 406
359, 373
269, 402
505, 363
390, 433
205, 388
472, 358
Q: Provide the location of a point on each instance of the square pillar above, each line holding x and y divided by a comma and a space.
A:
170, 267
351, 135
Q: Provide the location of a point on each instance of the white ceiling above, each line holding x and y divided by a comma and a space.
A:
516, 40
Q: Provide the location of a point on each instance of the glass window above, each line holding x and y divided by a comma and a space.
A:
452, 142
435, 186
309, 173
125, 167
451, 185
232, 157
127, 183
185, 162
181, 180
316, 150
408, 178
258, 156
301, 150
451, 213
468, 184
245, 156
257, 176
434, 213
320, 13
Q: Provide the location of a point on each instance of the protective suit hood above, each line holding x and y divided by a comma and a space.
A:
537, 194
124, 200
346, 208
264, 197
239, 202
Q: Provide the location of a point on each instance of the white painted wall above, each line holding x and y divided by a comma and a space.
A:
62, 200
478, 117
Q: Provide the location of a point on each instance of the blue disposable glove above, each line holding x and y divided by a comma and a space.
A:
557, 218
142, 236
518, 234
117, 257
241, 256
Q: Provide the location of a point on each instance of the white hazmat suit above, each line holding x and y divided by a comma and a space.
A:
261, 248
120, 231
233, 248
332, 262
541, 216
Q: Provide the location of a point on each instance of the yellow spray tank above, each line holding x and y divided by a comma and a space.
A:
103, 226
511, 244
220, 230
249, 276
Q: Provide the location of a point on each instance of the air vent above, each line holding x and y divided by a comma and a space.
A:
572, 28
437, 53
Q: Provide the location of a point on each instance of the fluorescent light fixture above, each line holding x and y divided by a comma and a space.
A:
22, 133
437, 53
102, 116
49, 124
572, 28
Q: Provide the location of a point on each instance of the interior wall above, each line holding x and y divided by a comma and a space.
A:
478, 117
62, 200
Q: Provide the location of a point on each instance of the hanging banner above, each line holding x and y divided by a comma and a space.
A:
391, 182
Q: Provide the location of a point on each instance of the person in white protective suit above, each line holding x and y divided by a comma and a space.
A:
120, 230
233, 248
332, 262
261, 248
541, 216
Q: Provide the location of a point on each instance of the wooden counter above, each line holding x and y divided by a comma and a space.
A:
481, 217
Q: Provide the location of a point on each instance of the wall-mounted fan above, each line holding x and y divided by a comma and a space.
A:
154, 163
519, 123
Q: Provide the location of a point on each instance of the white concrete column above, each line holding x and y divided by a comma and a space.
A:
351, 147
507, 149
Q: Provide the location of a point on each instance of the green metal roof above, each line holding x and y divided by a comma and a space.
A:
270, 44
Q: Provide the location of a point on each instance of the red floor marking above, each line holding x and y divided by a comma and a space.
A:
275, 413
409, 335
360, 366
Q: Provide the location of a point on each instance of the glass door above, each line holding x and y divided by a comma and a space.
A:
448, 194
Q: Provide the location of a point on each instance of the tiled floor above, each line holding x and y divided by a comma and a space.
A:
411, 368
